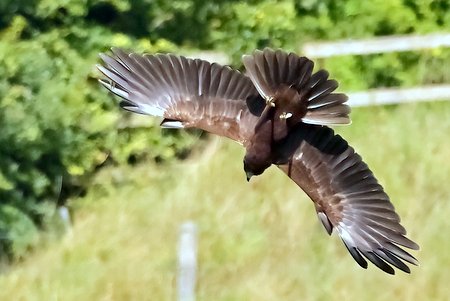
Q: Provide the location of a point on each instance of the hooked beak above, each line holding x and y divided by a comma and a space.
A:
249, 175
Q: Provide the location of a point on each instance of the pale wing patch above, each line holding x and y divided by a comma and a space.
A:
151, 110
171, 124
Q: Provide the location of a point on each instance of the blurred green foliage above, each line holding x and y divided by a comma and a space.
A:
58, 126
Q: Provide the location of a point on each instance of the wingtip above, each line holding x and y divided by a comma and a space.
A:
101, 68
414, 246
104, 82
103, 55
269, 50
258, 51
379, 262
246, 59
346, 122
119, 52
115, 49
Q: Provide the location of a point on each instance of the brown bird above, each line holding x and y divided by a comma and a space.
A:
280, 113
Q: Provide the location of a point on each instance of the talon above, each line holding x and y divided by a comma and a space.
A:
270, 101
286, 115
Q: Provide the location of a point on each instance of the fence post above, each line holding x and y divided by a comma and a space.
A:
187, 262
64, 214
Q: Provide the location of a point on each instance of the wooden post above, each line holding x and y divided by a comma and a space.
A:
187, 262
64, 214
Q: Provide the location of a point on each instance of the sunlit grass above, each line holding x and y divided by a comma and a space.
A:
257, 241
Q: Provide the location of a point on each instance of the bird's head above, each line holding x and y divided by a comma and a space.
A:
254, 167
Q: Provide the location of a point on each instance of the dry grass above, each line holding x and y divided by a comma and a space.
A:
258, 241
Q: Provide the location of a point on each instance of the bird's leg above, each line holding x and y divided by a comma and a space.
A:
270, 101
286, 115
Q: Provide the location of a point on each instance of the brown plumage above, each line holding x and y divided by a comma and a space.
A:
279, 113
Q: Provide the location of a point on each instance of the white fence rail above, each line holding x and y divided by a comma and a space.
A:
399, 95
375, 45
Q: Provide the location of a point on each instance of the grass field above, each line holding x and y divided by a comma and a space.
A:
257, 241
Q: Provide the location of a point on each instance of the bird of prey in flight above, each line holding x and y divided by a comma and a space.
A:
280, 111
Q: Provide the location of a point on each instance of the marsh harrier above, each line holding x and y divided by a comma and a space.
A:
280, 112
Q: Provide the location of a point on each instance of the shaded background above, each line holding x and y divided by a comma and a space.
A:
63, 141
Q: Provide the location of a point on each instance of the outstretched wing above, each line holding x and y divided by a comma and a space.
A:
347, 197
185, 92
272, 70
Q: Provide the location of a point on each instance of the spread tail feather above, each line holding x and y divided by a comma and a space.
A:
271, 70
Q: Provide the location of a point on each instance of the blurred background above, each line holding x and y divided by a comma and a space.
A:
92, 197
